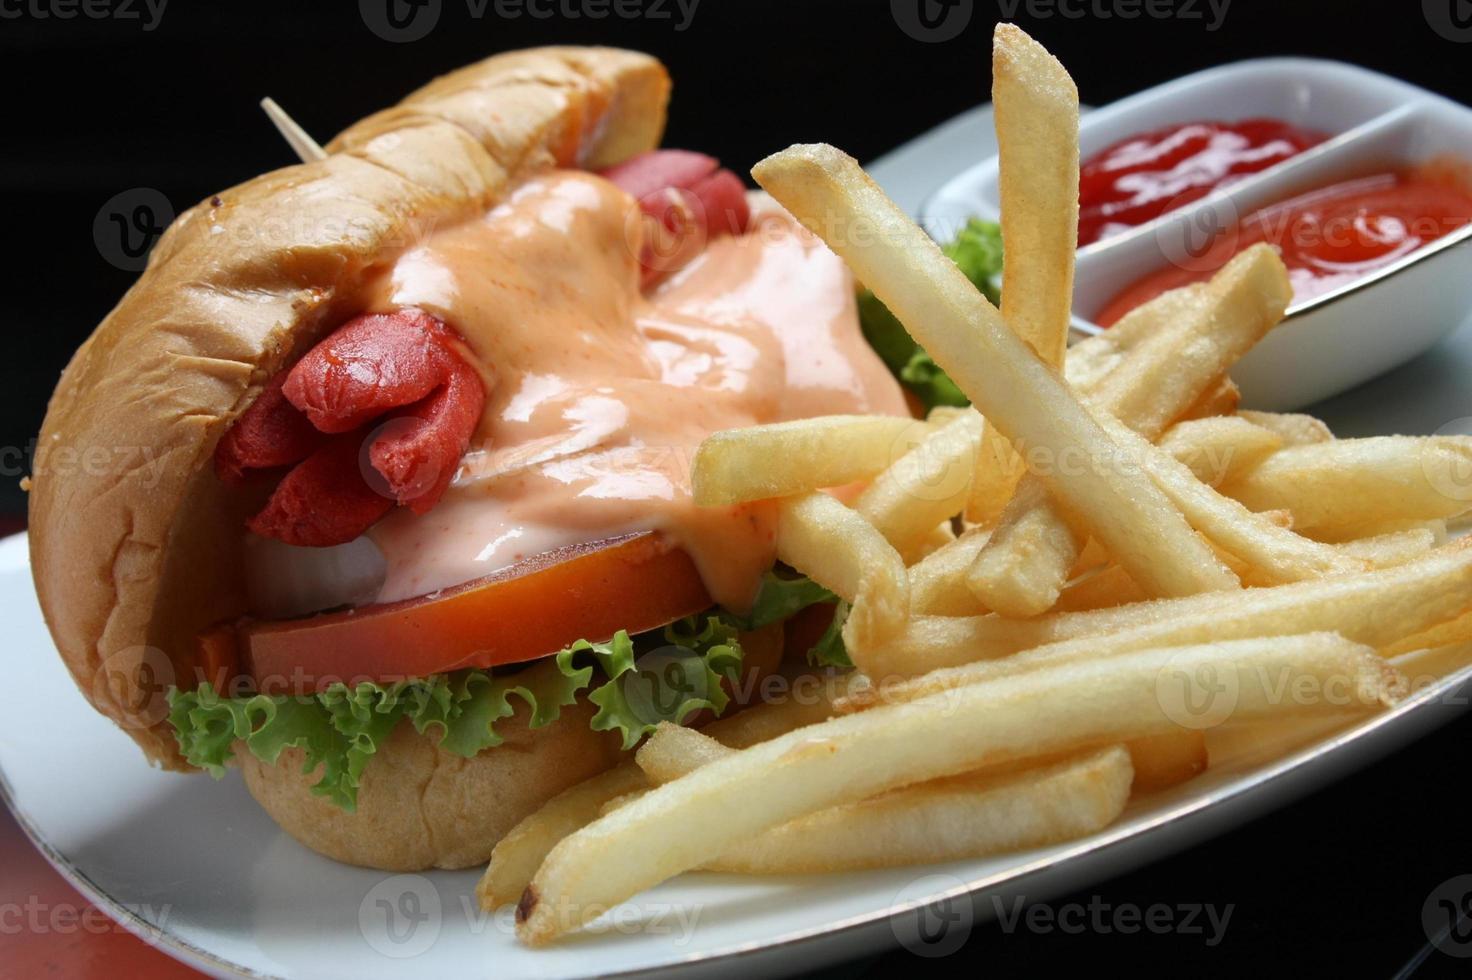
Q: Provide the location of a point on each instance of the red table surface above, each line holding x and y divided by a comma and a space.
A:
47, 927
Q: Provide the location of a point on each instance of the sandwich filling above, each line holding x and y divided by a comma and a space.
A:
598, 393
599, 381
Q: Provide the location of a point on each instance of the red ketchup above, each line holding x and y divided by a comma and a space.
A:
1328, 237
1143, 177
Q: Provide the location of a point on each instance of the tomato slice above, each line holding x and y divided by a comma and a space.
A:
530, 610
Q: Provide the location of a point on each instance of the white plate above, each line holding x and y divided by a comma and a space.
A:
1332, 342
198, 868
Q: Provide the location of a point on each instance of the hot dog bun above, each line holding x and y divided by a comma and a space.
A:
134, 542
422, 807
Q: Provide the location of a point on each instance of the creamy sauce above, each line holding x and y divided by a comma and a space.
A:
597, 395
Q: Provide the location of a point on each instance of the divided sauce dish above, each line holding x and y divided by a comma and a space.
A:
1372, 124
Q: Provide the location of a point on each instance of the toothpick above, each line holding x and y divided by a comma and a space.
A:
296, 137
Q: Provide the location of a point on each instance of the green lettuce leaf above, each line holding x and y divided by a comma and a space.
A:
829, 651
341, 728
782, 595
977, 250
669, 682
929, 383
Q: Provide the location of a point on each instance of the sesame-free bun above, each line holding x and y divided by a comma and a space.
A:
134, 541
420, 806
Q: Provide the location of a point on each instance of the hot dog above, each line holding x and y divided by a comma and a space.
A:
425, 443
401, 366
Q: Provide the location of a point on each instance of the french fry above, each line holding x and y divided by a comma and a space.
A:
1275, 553
1349, 481
1432, 664
835, 547
1395, 548
1090, 363
1163, 761
1371, 528
945, 414
1295, 429
519, 854
927, 485
1036, 109
1375, 608
935, 539
802, 697
1086, 366
1168, 371
1029, 403
1098, 588
619, 801
1453, 631
1219, 447
965, 816
787, 458
678, 826
808, 699
674, 751
1220, 398
1016, 572
1148, 387
938, 581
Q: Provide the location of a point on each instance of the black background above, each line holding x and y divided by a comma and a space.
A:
97, 106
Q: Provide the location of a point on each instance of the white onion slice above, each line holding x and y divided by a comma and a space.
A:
284, 580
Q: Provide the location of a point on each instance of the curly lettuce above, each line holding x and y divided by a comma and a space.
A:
783, 594
977, 251
656, 677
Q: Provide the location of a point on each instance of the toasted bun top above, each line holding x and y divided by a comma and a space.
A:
134, 542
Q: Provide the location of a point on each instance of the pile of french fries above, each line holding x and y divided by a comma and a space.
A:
1047, 587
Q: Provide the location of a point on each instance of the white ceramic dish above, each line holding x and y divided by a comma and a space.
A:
1332, 342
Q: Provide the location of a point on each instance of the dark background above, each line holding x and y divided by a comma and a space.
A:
98, 106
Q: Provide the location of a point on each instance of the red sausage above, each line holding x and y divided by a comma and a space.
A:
404, 367
369, 365
324, 500
418, 451
269, 434
655, 170
689, 197
723, 198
